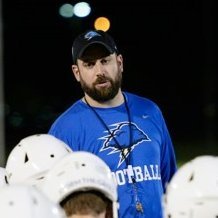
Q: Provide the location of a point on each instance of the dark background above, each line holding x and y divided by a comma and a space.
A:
169, 52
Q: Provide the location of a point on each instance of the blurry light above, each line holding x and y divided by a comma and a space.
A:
82, 9
66, 10
102, 23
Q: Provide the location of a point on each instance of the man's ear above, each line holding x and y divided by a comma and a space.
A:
76, 72
120, 62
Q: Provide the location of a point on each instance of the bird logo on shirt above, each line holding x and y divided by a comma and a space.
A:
119, 132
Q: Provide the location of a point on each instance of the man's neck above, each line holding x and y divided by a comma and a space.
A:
116, 101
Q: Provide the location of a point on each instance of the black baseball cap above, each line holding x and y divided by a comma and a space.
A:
90, 37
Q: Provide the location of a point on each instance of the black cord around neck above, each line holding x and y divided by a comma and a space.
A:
138, 205
109, 131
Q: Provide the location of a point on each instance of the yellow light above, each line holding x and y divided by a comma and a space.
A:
102, 23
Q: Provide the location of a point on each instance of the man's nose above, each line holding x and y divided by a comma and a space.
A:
99, 68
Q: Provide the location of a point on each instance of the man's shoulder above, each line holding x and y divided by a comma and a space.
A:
137, 98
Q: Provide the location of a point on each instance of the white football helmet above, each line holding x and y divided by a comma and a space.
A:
80, 171
2, 176
193, 190
32, 157
24, 201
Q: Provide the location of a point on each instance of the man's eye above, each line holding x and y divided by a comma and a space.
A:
104, 61
89, 64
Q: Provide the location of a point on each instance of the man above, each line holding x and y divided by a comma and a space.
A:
127, 131
23, 201
87, 204
29, 161
83, 185
193, 190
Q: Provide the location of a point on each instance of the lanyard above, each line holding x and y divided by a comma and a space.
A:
138, 205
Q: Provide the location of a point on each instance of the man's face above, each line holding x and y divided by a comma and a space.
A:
104, 87
100, 73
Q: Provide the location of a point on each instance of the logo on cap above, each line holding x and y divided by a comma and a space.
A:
91, 34
84, 40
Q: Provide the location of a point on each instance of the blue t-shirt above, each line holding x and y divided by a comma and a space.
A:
148, 157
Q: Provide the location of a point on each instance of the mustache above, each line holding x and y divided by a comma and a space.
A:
101, 79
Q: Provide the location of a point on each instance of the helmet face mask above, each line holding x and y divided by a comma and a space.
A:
24, 201
193, 190
34, 156
80, 171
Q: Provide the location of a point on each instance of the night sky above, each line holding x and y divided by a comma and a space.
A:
169, 56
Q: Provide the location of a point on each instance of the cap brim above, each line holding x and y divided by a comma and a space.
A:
110, 50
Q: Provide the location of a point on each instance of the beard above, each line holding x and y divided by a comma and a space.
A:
103, 94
